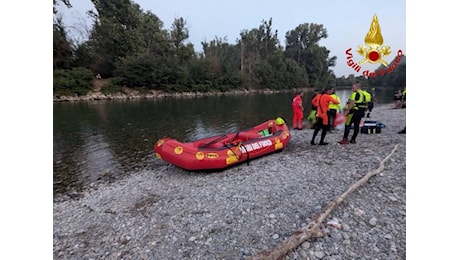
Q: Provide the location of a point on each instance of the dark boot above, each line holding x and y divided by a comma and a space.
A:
323, 135
312, 142
344, 141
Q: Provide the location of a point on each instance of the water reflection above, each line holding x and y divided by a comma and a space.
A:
201, 130
96, 159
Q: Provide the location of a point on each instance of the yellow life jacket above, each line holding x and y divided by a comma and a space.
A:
364, 98
335, 106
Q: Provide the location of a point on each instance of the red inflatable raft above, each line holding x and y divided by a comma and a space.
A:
222, 151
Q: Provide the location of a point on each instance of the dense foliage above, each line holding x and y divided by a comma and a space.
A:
130, 46
72, 81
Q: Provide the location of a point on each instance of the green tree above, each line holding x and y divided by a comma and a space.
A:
155, 39
302, 45
148, 71
249, 54
257, 46
62, 47
115, 34
221, 61
179, 33
391, 79
73, 81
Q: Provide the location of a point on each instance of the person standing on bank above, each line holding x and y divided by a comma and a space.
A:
297, 108
322, 101
354, 112
312, 115
333, 109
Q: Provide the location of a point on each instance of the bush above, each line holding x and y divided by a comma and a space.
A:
76, 81
201, 87
111, 88
145, 71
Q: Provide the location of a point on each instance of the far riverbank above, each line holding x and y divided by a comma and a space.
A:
129, 93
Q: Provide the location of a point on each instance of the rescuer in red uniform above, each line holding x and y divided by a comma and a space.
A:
322, 101
297, 108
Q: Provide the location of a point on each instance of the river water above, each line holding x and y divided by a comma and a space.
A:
107, 140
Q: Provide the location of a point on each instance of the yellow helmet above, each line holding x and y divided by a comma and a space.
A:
279, 121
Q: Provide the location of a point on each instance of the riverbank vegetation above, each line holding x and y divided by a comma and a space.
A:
129, 48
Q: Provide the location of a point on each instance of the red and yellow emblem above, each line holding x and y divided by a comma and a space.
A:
374, 41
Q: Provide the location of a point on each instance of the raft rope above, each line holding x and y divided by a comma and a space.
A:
246, 150
240, 144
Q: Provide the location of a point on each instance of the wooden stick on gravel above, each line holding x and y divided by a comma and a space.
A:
313, 229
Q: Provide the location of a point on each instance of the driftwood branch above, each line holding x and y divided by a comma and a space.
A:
313, 229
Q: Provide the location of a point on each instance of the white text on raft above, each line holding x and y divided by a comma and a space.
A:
255, 146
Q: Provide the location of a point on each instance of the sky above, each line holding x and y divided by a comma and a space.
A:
346, 22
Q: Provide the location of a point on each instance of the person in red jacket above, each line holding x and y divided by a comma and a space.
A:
322, 101
297, 108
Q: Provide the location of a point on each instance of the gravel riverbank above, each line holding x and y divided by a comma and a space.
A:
169, 213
